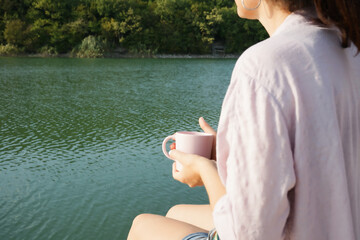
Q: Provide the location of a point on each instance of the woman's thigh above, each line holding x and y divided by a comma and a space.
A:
156, 227
197, 215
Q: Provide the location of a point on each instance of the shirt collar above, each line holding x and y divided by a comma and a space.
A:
291, 21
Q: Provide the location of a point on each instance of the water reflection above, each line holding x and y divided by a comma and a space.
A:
80, 140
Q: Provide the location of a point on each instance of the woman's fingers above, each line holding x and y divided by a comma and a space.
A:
189, 174
206, 127
173, 146
178, 156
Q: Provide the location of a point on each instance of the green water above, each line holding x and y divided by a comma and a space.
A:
80, 141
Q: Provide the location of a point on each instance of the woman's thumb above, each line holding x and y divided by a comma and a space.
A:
206, 127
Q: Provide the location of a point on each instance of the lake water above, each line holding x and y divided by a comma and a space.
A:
80, 140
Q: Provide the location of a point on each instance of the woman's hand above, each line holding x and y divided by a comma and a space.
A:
199, 171
206, 128
192, 165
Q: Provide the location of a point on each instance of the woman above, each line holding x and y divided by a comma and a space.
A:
288, 141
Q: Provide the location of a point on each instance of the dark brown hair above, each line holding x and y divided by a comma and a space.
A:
344, 14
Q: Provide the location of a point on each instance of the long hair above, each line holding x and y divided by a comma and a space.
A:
344, 14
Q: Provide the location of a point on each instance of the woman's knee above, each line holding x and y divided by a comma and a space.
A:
175, 211
139, 225
142, 220
197, 215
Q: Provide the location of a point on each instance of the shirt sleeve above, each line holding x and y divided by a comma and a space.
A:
255, 163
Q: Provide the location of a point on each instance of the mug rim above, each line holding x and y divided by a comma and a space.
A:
193, 133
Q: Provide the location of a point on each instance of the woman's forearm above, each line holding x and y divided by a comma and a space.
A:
211, 179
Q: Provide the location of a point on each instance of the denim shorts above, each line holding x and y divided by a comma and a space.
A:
197, 236
212, 235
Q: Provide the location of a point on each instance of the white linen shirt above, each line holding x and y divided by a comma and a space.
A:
288, 140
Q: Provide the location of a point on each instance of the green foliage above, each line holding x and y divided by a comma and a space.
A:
239, 34
15, 32
91, 47
47, 51
146, 27
9, 50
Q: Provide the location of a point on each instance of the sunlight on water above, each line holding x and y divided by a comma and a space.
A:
80, 149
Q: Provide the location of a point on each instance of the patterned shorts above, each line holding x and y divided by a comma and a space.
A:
212, 235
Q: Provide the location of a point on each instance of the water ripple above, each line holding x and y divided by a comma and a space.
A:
80, 151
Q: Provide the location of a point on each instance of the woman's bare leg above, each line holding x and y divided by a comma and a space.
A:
156, 227
197, 215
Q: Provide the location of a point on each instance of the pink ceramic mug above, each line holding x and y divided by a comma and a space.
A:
198, 143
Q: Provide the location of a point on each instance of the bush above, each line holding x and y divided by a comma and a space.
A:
141, 49
10, 50
48, 51
90, 47
15, 32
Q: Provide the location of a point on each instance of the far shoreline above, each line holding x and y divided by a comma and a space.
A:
128, 55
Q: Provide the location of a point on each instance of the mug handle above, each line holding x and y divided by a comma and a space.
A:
164, 145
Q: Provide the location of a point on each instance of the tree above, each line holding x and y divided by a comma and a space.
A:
15, 32
141, 26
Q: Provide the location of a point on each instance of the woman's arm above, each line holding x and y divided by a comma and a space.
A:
198, 171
